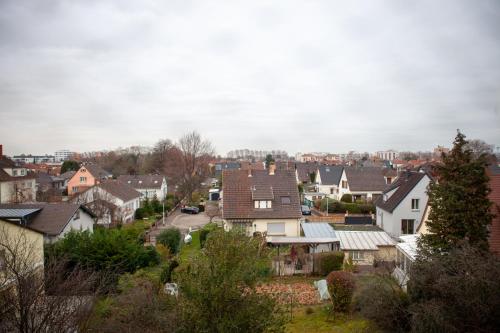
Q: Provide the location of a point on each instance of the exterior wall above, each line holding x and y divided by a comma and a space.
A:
127, 210
343, 191
385, 253
26, 186
292, 226
75, 182
494, 238
15, 233
391, 222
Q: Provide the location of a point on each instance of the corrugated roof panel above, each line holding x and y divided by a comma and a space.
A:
363, 240
318, 230
17, 212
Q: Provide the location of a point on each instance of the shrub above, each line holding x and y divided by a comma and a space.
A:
341, 288
346, 198
205, 231
380, 299
140, 213
327, 262
170, 238
166, 272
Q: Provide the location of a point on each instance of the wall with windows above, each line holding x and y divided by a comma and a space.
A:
80, 181
412, 207
367, 257
273, 227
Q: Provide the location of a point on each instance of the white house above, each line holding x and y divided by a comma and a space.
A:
366, 183
17, 184
328, 179
261, 201
150, 186
54, 220
111, 201
401, 208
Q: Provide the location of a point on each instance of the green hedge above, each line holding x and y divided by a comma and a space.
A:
335, 206
326, 262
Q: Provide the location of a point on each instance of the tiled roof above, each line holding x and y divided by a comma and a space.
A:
363, 240
67, 175
52, 217
120, 190
403, 185
365, 179
7, 163
237, 197
330, 174
142, 181
304, 169
97, 171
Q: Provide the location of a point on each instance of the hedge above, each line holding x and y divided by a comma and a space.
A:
327, 262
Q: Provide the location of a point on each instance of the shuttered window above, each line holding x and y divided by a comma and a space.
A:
276, 228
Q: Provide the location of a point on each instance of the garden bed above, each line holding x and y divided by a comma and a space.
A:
302, 293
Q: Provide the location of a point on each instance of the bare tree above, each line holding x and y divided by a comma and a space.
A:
101, 203
193, 157
479, 147
34, 298
212, 211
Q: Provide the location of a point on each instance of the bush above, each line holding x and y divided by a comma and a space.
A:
166, 272
170, 238
341, 207
346, 198
205, 231
140, 213
341, 288
327, 262
380, 299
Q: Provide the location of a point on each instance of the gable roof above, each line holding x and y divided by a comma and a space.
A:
365, 179
120, 190
304, 169
238, 191
142, 181
7, 163
67, 175
363, 240
48, 218
403, 186
96, 171
330, 174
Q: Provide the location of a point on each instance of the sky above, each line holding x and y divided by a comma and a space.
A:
300, 76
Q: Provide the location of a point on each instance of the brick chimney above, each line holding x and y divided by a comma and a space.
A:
250, 172
1, 150
272, 168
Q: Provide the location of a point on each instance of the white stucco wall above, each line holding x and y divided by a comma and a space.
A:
391, 223
85, 222
292, 226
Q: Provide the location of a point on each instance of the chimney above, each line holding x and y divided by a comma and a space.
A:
272, 168
1, 150
249, 172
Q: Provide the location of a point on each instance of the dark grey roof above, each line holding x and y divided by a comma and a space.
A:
67, 175
142, 181
97, 171
120, 190
403, 186
330, 174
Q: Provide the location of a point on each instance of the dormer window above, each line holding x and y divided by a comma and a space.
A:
129, 181
140, 181
262, 204
156, 182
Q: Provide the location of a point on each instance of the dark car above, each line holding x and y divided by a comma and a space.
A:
190, 210
305, 210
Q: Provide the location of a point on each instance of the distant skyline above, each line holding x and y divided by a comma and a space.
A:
298, 76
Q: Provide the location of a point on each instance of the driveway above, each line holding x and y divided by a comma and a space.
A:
179, 220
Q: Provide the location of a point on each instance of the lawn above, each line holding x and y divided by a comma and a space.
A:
316, 319
189, 250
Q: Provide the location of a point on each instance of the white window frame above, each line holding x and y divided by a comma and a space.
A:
405, 232
417, 201
357, 255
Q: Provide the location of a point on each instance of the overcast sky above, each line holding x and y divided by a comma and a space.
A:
293, 75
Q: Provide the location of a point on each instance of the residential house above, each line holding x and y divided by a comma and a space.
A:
494, 238
401, 207
86, 177
111, 201
303, 172
66, 177
53, 220
261, 201
150, 186
16, 183
365, 183
328, 178
46, 182
29, 243
220, 167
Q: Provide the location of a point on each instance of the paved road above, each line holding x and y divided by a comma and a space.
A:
181, 221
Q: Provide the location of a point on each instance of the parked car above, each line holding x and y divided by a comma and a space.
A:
190, 210
305, 210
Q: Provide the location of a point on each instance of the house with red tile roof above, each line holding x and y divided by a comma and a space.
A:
265, 201
494, 238
86, 177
